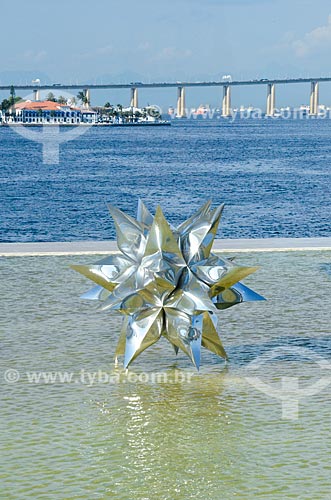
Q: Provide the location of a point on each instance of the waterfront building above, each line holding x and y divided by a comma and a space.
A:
49, 112
53, 112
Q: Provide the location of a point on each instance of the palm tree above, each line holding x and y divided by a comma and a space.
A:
82, 97
12, 95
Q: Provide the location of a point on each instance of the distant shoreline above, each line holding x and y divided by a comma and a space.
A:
108, 247
138, 124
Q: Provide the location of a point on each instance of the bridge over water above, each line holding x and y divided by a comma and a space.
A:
181, 86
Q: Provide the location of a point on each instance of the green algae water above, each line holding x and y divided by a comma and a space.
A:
74, 426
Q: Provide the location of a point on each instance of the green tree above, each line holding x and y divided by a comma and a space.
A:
12, 95
5, 105
107, 105
50, 97
61, 99
82, 97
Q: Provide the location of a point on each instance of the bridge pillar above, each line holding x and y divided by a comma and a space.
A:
134, 97
181, 107
87, 93
226, 103
36, 94
314, 98
271, 99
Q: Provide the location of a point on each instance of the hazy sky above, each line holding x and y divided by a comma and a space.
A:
146, 40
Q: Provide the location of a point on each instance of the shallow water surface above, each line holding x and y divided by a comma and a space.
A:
188, 435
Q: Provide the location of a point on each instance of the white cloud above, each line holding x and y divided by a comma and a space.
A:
313, 41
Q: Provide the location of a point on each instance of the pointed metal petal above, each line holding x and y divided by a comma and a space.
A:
144, 329
161, 239
209, 274
165, 334
140, 301
248, 295
234, 275
191, 296
216, 260
143, 214
196, 239
102, 275
198, 214
106, 272
191, 240
177, 327
162, 255
122, 290
158, 291
185, 332
130, 234
210, 338
120, 348
96, 293
207, 243
235, 295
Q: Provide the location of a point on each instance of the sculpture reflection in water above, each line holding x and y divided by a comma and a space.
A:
167, 282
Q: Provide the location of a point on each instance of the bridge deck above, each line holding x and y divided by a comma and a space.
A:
165, 84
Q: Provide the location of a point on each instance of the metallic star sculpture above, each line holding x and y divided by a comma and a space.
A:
167, 282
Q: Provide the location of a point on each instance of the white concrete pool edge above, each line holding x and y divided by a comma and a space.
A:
108, 247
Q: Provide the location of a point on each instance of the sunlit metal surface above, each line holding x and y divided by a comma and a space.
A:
167, 282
